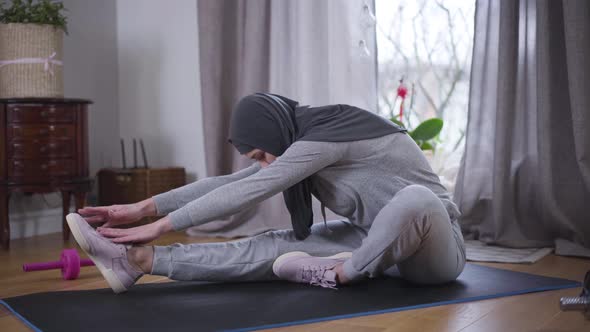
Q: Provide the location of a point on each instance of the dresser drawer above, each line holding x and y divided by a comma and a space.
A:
40, 169
40, 131
34, 148
41, 114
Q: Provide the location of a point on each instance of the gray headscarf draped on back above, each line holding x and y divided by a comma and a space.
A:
272, 123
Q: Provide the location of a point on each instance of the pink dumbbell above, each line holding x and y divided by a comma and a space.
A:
69, 263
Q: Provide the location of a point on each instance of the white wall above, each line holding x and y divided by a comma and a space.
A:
159, 87
138, 61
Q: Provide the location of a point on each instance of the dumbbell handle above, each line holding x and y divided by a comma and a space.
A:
580, 303
52, 265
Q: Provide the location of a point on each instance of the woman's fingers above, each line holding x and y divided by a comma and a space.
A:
140, 234
115, 214
112, 215
114, 232
87, 214
122, 215
94, 210
126, 236
94, 219
119, 235
119, 232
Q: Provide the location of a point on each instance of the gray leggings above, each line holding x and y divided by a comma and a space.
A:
412, 232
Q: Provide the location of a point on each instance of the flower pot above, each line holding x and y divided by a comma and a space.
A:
31, 60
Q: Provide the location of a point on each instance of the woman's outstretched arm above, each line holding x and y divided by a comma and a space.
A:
300, 160
179, 197
162, 204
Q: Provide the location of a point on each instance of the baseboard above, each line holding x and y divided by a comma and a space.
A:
40, 222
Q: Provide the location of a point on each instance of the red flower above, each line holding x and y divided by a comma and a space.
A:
402, 91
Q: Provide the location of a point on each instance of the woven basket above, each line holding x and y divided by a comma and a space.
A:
37, 41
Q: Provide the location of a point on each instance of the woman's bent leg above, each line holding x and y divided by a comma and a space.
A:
252, 258
413, 231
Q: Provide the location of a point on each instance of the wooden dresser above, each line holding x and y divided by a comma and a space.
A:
43, 148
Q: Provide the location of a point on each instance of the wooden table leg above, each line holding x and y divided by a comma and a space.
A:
65, 197
80, 198
4, 222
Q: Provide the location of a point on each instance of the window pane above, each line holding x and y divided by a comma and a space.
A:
429, 45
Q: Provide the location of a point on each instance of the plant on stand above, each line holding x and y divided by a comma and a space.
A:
426, 136
40, 12
31, 44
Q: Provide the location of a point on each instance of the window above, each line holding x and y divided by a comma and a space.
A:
428, 43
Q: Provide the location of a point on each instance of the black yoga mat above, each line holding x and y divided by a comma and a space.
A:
197, 306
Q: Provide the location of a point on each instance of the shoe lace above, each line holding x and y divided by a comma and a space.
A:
317, 277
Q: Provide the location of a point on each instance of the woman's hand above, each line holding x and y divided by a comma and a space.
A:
118, 214
141, 234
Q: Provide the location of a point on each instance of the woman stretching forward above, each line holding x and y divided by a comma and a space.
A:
354, 162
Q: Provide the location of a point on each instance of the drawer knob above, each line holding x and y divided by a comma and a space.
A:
44, 166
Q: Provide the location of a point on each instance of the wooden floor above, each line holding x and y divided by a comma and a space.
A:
531, 312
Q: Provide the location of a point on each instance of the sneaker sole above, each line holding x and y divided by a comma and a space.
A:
279, 261
108, 274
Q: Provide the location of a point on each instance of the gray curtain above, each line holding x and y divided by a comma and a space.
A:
234, 62
525, 175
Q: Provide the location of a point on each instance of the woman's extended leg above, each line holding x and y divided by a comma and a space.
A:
413, 231
252, 258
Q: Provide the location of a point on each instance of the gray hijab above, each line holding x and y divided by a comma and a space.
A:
272, 123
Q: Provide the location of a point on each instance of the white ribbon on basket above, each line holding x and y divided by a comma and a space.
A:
47, 62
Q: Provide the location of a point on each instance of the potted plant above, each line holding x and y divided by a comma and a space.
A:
31, 44
426, 132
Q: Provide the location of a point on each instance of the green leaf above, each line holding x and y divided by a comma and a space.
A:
427, 129
397, 122
426, 146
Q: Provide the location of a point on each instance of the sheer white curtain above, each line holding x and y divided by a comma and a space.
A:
323, 52
315, 56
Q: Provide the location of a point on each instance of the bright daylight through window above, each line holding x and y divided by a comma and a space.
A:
424, 57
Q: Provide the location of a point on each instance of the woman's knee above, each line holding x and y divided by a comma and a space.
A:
415, 201
418, 196
431, 272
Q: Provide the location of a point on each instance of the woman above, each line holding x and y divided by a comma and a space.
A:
354, 162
